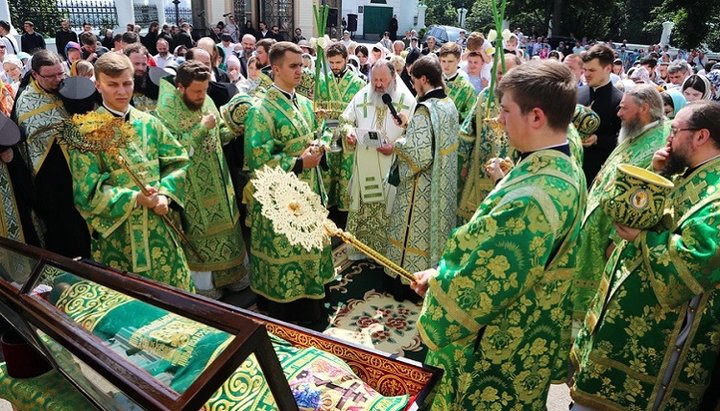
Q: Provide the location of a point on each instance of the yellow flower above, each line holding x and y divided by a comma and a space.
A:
489, 394
498, 266
694, 370
637, 365
538, 347
537, 245
632, 388
637, 326
493, 287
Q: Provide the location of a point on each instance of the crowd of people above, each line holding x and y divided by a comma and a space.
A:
483, 182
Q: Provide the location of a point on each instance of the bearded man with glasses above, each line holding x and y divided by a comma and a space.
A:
650, 340
39, 113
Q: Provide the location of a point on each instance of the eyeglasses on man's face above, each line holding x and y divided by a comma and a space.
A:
61, 74
674, 131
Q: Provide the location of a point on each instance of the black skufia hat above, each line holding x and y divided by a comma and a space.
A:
157, 73
78, 95
9, 131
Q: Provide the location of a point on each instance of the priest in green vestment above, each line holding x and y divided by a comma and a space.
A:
496, 314
280, 130
234, 114
651, 339
262, 54
40, 113
129, 233
424, 211
480, 142
145, 96
10, 224
337, 89
457, 84
210, 217
643, 131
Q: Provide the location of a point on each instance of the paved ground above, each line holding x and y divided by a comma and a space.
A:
558, 398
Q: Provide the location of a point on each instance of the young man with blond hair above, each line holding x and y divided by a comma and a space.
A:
129, 232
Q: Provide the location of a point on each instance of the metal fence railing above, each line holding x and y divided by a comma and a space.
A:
186, 14
146, 14
99, 13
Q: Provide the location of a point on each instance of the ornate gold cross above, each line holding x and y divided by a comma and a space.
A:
693, 191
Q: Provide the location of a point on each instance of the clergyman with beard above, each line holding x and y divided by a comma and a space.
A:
657, 330
40, 112
642, 132
145, 93
210, 216
366, 111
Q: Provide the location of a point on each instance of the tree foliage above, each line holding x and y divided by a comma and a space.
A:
445, 12
43, 13
696, 21
480, 17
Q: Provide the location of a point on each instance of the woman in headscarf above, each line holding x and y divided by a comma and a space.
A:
13, 69
673, 101
361, 52
714, 79
640, 76
378, 52
696, 87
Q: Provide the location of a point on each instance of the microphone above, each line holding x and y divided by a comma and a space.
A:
227, 14
202, 13
388, 102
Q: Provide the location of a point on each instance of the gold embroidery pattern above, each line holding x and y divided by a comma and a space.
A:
87, 304
171, 337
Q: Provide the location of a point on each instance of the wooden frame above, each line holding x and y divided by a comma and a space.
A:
387, 374
250, 337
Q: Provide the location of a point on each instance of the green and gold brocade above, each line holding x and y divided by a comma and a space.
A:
598, 232
340, 93
276, 133
462, 93
425, 207
641, 308
176, 350
306, 87
10, 225
40, 115
210, 217
144, 103
128, 236
479, 142
497, 316
266, 82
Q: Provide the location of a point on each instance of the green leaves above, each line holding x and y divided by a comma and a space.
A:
45, 14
